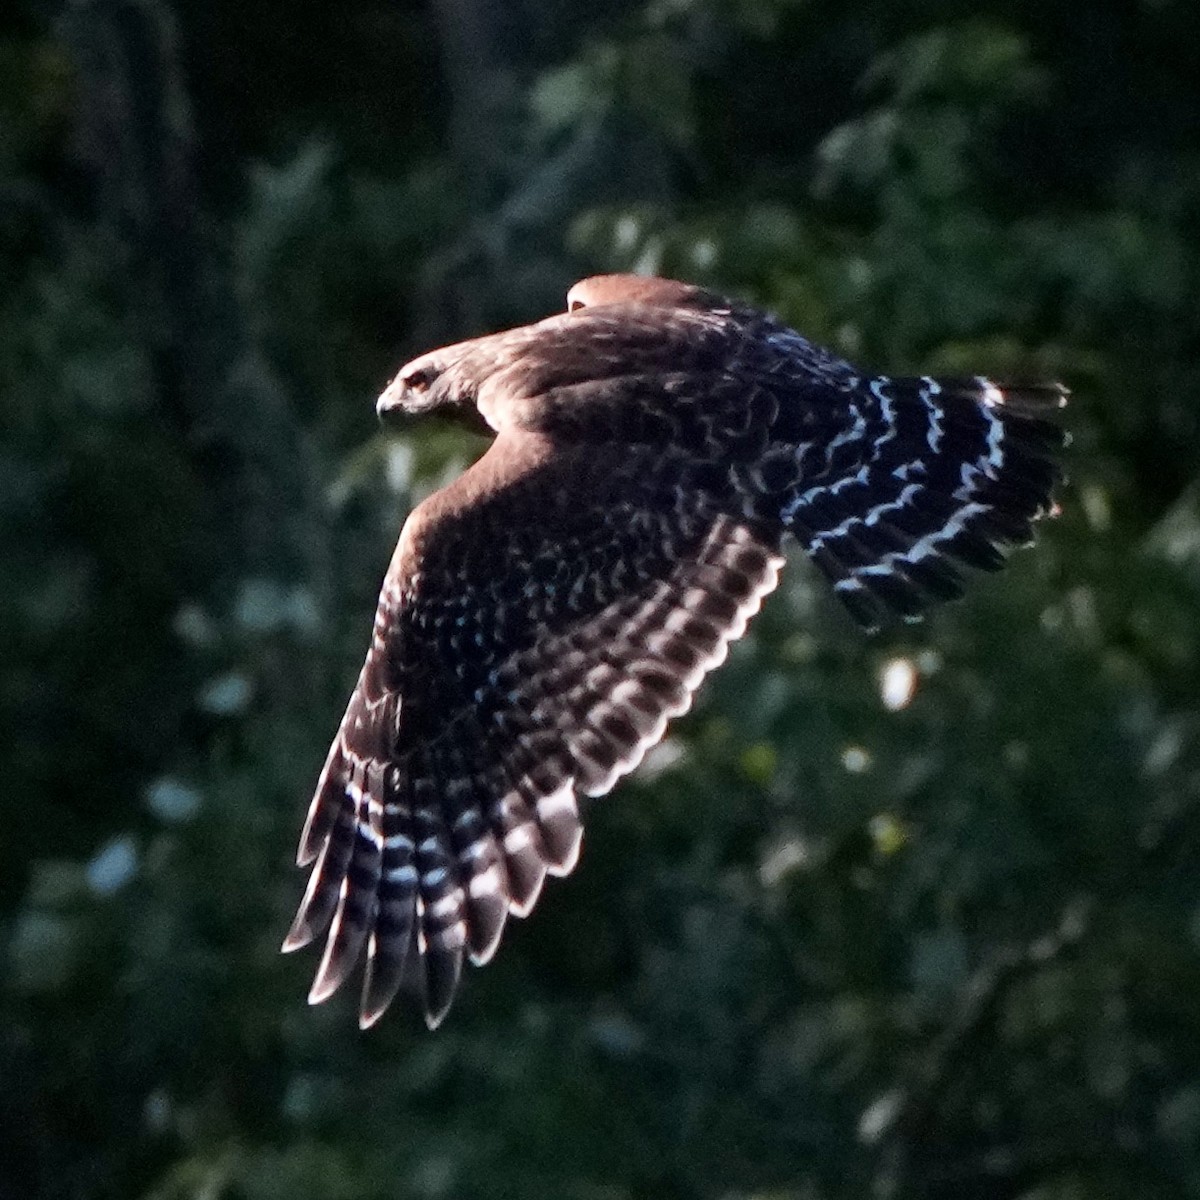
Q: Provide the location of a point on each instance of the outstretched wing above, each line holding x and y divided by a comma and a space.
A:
542, 620
912, 479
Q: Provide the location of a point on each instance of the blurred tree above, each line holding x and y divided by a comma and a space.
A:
910, 917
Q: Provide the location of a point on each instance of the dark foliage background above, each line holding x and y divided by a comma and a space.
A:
836, 942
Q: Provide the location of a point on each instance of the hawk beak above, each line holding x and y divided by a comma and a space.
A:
392, 399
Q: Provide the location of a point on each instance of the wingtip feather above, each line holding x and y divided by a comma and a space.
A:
298, 936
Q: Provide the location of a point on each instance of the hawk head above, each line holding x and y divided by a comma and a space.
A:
433, 381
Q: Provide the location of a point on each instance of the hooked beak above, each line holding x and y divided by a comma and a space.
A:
389, 399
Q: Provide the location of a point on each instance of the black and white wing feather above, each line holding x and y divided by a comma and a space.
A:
919, 479
543, 619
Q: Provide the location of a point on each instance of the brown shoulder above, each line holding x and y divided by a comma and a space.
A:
493, 482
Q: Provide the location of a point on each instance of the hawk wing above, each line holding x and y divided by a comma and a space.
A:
542, 619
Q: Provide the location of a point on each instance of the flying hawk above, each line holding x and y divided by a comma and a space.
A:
546, 614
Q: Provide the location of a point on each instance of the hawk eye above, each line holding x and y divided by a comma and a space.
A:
419, 381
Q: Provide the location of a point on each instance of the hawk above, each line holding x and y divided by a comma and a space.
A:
546, 614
